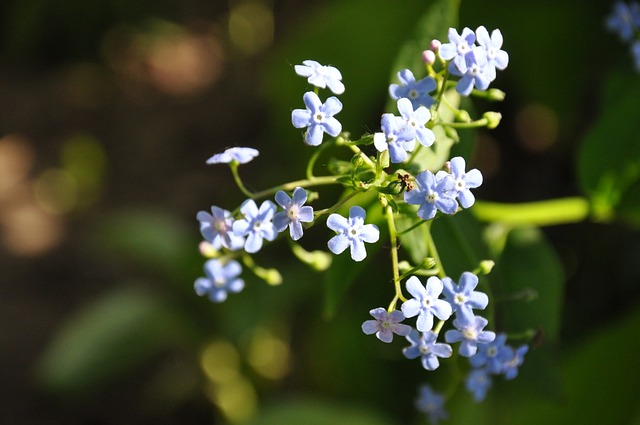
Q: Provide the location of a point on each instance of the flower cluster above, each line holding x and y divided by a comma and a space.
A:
625, 22
396, 166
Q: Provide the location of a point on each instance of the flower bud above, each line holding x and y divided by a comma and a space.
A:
493, 119
495, 95
435, 45
428, 57
486, 266
207, 250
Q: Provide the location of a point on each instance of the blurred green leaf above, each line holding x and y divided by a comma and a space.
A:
107, 339
317, 412
609, 159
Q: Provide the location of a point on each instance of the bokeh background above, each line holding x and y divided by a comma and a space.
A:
108, 111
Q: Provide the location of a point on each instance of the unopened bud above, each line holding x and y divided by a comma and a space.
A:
317, 260
435, 45
486, 266
207, 250
463, 116
493, 119
428, 57
495, 95
271, 276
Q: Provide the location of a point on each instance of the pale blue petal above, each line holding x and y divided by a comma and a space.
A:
313, 137
338, 244
337, 223
442, 309
281, 221
424, 322
282, 199
312, 102
358, 251
300, 118
411, 308
253, 243
332, 106
416, 289
299, 196
430, 362
370, 327
236, 285
305, 214
332, 126
240, 227
295, 230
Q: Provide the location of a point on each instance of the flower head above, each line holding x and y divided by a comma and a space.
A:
478, 383
256, 224
352, 233
416, 91
470, 334
395, 136
240, 155
496, 57
431, 403
317, 118
463, 298
385, 324
624, 20
425, 303
295, 212
464, 181
458, 47
415, 121
475, 74
432, 194
216, 228
491, 356
220, 279
424, 345
321, 75
512, 359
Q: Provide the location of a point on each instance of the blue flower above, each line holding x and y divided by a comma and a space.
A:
470, 334
294, 212
478, 383
416, 91
431, 403
395, 136
256, 224
220, 279
432, 194
416, 120
635, 53
321, 75
318, 117
464, 181
216, 228
457, 49
624, 20
463, 298
512, 360
385, 324
491, 356
352, 233
496, 58
424, 345
241, 155
475, 74
425, 303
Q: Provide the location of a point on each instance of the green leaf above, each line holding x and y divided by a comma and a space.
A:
107, 339
609, 159
318, 412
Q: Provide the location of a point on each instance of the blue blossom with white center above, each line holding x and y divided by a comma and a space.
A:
424, 345
464, 181
470, 334
416, 91
478, 382
352, 233
395, 136
321, 75
216, 228
386, 324
512, 361
475, 74
432, 194
463, 298
415, 121
457, 49
220, 279
491, 356
624, 20
317, 118
295, 212
496, 57
425, 303
431, 403
240, 155
256, 224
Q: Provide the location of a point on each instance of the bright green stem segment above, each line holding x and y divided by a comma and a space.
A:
394, 259
542, 213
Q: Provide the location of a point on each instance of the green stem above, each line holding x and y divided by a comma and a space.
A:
314, 181
431, 245
336, 206
238, 180
315, 156
394, 259
541, 213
